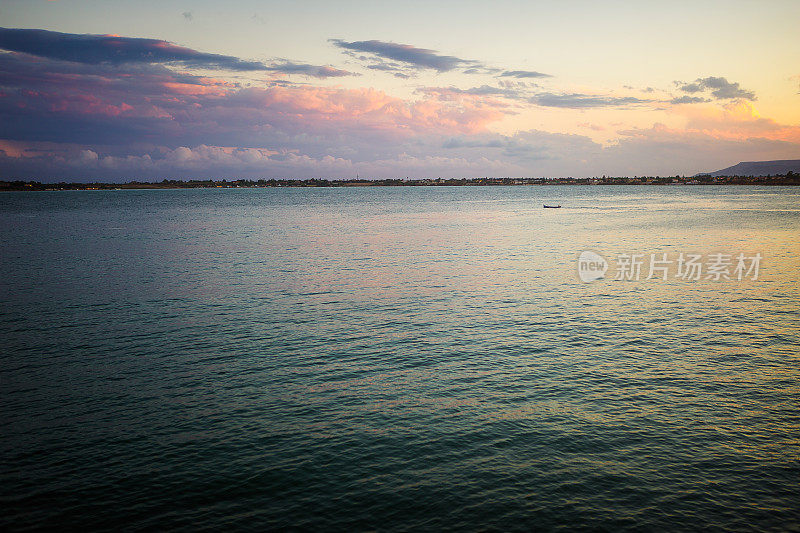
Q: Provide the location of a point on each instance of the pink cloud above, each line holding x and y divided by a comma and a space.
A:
145, 120
315, 108
737, 120
178, 108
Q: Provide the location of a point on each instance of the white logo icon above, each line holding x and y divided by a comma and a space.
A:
591, 266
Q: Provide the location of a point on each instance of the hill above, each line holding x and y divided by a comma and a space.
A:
759, 168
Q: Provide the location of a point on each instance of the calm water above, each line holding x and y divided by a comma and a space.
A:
396, 359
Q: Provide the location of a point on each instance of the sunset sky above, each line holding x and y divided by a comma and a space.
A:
115, 90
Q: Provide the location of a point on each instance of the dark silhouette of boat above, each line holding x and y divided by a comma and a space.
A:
551, 206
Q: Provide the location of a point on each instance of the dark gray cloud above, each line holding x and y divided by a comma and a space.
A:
114, 50
396, 69
688, 100
315, 71
584, 101
95, 49
404, 59
691, 88
382, 66
524, 74
720, 88
526, 93
516, 84
483, 69
407, 54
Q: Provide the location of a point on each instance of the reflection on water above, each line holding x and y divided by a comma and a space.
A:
396, 358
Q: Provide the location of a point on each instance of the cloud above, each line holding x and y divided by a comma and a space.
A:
688, 100
406, 54
113, 49
59, 101
396, 69
691, 87
528, 149
87, 156
523, 74
46, 99
404, 59
584, 101
449, 93
658, 150
719, 88
69, 162
315, 71
136, 116
383, 66
737, 120
661, 150
208, 161
639, 151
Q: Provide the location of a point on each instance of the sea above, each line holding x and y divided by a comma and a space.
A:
401, 359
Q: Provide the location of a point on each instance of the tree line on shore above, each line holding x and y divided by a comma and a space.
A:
789, 178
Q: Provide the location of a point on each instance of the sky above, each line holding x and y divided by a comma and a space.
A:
119, 90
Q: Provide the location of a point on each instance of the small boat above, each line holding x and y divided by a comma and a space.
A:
551, 206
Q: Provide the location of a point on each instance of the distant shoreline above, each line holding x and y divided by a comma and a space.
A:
18, 185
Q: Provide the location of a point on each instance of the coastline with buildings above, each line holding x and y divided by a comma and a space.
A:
790, 178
